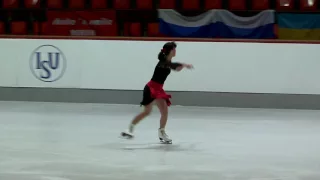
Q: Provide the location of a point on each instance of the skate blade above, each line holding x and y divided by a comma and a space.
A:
165, 142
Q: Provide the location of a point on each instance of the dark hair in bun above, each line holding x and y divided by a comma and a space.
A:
167, 47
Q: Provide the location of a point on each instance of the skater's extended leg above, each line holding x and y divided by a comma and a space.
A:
129, 133
147, 110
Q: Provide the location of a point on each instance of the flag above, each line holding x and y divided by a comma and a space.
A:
299, 26
174, 24
259, 26
217, 23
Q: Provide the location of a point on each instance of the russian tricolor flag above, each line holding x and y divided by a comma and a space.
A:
217, 23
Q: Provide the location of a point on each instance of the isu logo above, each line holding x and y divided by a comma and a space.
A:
48, 63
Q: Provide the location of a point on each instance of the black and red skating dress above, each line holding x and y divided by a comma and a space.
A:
154, 88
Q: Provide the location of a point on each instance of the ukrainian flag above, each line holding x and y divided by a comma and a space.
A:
298, 26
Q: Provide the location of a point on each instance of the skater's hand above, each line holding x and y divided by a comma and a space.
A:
189, 66
179, 68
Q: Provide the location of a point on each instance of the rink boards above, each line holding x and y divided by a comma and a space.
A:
280, 68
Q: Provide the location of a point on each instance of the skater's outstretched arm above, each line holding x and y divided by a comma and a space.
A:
180, 66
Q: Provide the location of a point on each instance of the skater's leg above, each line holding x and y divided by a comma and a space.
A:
147, 110
129, 133
163, 108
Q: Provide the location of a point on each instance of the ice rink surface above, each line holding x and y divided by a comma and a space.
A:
56, 141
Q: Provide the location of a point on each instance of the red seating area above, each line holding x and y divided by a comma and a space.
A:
132, 17
303, 5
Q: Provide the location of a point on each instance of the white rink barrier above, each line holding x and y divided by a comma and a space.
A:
128, 65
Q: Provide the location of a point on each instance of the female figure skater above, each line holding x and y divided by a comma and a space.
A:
153, 92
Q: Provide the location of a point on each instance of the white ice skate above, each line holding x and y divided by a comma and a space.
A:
164, 138
127, 135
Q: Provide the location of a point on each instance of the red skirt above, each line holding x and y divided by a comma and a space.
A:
152, 91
